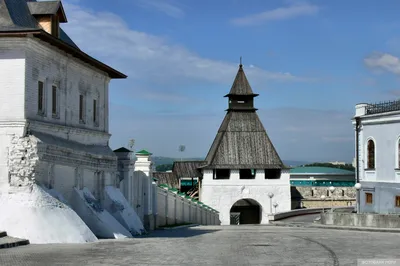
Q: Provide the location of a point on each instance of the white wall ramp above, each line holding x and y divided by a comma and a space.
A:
99, 220
116, 204
30, 212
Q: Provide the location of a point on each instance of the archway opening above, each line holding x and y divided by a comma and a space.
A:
245, 211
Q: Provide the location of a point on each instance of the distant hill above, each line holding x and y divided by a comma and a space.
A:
159, 160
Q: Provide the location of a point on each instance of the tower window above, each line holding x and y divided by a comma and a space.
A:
272, 173
222, 173
247, 173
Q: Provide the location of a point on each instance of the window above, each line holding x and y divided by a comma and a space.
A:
95, 113
312, 192
371, 154
247, 173
327, 193
368, 198
40, 97
222, 173
272, 173
54, 101
398, 153
342, 192
81, 108
397, 202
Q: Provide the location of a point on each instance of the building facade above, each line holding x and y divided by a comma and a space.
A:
243, 175
378, 156
309, 183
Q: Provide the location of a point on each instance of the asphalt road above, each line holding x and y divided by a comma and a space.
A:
218, 245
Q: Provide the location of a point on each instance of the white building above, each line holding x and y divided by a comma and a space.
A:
244, 177
54, 128
378, 159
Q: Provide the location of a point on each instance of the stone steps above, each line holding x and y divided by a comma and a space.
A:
10, 242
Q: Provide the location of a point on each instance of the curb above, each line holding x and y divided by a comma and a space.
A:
178, 227
337, 227
14, 242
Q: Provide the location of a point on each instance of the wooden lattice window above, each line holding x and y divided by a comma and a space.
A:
371, 154
397, 202
368, 198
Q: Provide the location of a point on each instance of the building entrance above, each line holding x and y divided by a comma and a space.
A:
245, 211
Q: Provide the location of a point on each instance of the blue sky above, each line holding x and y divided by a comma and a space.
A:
310, 61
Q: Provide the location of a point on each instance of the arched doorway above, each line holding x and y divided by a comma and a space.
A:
246, 211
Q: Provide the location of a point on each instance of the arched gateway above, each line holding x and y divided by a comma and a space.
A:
246, 211
242, 169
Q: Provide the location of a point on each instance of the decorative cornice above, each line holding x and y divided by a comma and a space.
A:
45, 127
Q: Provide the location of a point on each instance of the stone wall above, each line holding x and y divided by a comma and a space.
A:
310, 197
361, 219
174, 208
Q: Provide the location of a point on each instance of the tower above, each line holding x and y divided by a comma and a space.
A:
244, 175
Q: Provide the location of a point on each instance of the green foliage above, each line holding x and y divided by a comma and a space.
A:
345, 167
163, 167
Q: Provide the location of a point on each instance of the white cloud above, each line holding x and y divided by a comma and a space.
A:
282, 13
383, 61
148, 57
162, 6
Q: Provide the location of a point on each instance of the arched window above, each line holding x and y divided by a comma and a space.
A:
371, 154
398, 153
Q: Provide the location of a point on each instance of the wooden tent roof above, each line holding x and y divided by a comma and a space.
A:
242, 141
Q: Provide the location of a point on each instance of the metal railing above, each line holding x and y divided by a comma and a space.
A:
383, 107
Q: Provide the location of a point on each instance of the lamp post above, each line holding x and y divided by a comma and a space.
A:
275, 205
270, 195
332, 189
323, 204
358, 187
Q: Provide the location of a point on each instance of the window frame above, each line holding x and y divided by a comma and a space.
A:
95, 112
397, 165
397, 201
41, 100
55, 110
82, 108
369, 198
368, 155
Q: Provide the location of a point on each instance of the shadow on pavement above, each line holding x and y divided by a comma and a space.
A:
178, 233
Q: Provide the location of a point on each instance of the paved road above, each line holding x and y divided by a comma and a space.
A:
213, 245
309, 218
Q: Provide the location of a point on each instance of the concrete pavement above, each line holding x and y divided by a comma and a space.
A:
217, 245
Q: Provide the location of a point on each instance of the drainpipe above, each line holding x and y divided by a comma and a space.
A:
358, 162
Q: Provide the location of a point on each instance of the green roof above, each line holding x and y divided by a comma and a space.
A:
143, 152
320, 170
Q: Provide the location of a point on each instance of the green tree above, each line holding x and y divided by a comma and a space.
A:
345, 167
164, 167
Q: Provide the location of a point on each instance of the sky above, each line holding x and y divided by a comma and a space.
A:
311, 62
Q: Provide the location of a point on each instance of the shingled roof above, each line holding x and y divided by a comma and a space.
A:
167, 178
241, 141
17, 19
240, 85
187, 168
